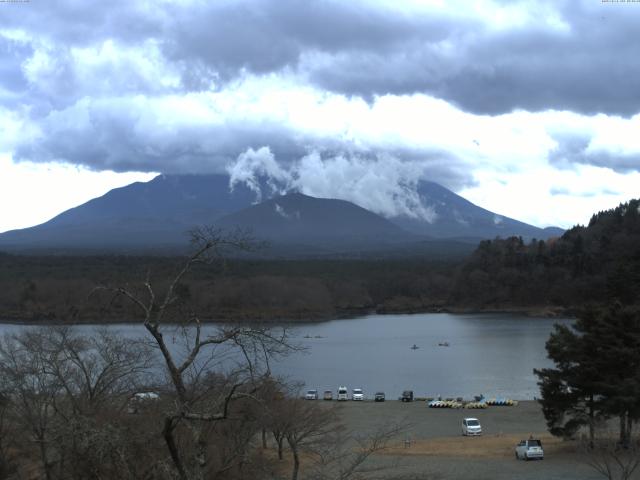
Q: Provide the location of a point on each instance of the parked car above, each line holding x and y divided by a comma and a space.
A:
141, 400
311, 395
328, 395
407, 396
471, 426
379, 397
343, 394
358, 394
529, 449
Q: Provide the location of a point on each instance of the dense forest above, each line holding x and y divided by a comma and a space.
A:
592, 264
63, 288
586, 265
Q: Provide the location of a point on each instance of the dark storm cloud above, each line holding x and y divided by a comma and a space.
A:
574, 149
589, 68
586, 66
87, 110
365, 49
570, 150
622, 162
117, 136
267, 36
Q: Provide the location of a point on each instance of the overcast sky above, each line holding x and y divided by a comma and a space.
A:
529, 109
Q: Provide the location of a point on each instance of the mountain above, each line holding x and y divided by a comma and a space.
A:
299, 219
155, 216
152, 214
451, 216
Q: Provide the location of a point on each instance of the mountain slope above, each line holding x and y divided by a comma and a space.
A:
298, 218
157, 215
152, 214
454, 217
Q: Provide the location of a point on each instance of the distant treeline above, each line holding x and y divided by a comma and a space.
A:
587, 265
590, 264
64, 288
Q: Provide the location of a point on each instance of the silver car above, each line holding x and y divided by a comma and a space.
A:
471, 426
358, 394
529, 450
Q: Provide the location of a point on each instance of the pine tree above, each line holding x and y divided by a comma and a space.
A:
596, 374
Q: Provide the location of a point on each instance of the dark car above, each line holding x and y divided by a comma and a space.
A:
379, 397
407, 396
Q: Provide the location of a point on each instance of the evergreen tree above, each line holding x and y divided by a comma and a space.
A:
617, 330
570, 398
596, 374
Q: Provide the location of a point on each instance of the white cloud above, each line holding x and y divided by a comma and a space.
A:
255, 167
359, 111
384, 184
527, 194
284, 214
32, 193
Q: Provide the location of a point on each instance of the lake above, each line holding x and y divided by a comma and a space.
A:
490, 354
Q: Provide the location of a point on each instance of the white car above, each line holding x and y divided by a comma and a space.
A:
358, 394
311, 395
471, 426
141, 400
343, 393
529, 450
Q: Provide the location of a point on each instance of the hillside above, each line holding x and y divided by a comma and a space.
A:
154, 217
140, 216
452, 216
597, 263
299, 219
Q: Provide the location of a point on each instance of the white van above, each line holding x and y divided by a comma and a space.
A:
343, 393
471, 426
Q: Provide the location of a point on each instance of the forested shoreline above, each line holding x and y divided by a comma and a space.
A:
62, 289
586, 266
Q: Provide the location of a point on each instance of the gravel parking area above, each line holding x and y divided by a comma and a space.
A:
437, 448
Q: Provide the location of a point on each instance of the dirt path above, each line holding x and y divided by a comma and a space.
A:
437, 450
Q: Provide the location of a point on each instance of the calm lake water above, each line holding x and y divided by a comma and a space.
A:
490, 354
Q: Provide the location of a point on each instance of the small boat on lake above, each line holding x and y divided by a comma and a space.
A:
443, 344
414, 347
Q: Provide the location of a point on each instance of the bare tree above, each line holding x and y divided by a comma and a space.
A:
307, 426
608, 457
32, 391
248, 348
92, 371
345, 456
275, 418
5, 437
64, 388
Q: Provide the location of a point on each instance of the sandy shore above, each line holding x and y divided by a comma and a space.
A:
436, 449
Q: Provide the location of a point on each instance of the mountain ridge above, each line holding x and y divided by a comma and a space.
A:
157, 214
